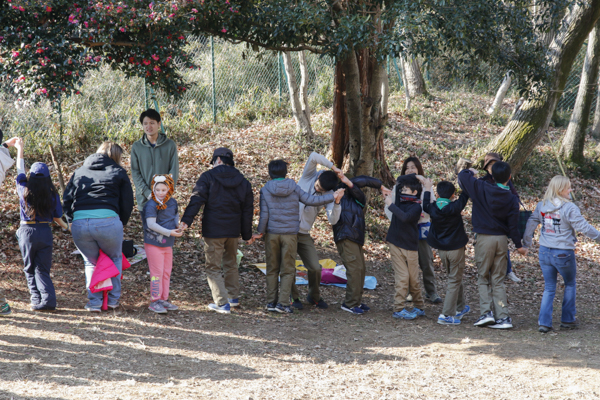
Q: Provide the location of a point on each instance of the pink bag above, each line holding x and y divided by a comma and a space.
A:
327, 276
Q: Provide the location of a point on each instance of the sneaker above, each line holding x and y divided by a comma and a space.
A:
404, 314
409, 297
485, 319
234, 302
113, 306
297, 304
418, 312
353, 310
168, 306
157, 307
224, 309
280, 308
544, 329
271, 307
320, 304
92, 308
5, 310
449, 320
435, 299
43, 308
365, 307
503, 323
513, 277
569, 325
460, 314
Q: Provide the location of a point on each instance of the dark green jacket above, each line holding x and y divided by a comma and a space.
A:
146, 161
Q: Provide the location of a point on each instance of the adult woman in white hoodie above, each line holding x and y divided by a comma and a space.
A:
560, 220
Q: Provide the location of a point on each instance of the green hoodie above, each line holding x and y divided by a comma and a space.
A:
147, 161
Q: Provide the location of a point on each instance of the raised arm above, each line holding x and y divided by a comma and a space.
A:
310, 168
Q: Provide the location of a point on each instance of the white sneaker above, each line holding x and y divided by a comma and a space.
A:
513, 277
409, 297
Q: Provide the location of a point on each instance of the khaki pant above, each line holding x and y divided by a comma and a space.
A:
222, 269
406, 277
454, 263
354, 260
310, 259
426, 265
490, 258
281, 266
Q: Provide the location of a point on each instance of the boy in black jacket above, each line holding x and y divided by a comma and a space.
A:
403, 239
349, 237
447, 234
495, 216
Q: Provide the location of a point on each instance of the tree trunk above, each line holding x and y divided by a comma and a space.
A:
528, 125
497, 104
595, 132
304, 84
301, 117
416, 83
574, 140
365, 114
404, 80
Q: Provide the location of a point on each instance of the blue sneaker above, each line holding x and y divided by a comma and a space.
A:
364, 307
404, 314
224, 309
460, 314
280, 308
443, 320
353, 310
419, 312
320, 304
271, 307
234, 302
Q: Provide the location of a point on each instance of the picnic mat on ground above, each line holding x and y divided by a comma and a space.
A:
370, 281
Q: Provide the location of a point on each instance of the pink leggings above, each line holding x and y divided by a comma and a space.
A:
160, 262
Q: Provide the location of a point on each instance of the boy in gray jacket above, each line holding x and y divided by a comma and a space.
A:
279, 219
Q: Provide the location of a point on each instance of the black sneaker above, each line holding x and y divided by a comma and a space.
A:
271, 307
320, 304
435, 299
485, 319
569, 325
364, 307
5, 309
280, 308
297, 304
503, 323
544, 329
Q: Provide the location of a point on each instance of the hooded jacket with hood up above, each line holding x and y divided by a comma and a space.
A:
100, 184
280, 206
561, 220
147, 161
228, 204
495, 210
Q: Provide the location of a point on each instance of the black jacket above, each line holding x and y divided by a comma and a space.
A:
99, 184
495, 210
447, 230
404, 228
351, 224
228, 204
489, 178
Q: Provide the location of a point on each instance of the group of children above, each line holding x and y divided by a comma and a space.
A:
419, 222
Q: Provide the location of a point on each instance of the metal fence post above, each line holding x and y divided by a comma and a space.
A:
214, 93
146, 94
60, 120
279, 74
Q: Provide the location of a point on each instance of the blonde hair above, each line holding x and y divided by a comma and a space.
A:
557, 185
112, 150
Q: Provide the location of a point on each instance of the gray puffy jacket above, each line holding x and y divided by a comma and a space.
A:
280, 207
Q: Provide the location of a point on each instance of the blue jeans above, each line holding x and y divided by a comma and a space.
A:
553, 262
91, 236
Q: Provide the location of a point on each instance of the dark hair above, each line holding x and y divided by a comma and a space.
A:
409, 181
501, 172
277, 169
417, 163
445, 189
39, 195
150, 113
225, 160
328, 180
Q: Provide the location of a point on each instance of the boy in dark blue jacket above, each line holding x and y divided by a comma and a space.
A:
403, 239
447, 234
495, 216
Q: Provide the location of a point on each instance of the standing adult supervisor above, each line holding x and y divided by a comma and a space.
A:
228, 209
98, 202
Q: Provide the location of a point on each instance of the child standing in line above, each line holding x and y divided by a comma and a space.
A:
162, 227
403, 239
447, 234
412, 165
40, 206
279, 210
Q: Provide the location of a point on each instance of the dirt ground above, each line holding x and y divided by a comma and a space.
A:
131, 353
